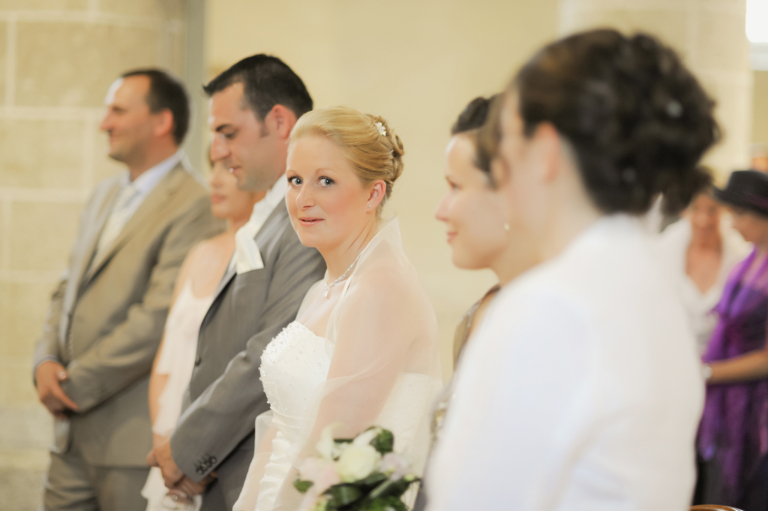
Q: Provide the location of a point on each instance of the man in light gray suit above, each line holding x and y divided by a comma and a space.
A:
254, 105
107, 314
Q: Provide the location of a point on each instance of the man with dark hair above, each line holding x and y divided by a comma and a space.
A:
107, 314
166, 93
253, 107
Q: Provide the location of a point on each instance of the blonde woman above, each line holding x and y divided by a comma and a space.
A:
363, 349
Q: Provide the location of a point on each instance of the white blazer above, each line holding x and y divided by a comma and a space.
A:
582, 390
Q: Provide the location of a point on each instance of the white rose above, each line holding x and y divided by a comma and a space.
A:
339, 448
395, 465
366, 437
325, 445
357, 462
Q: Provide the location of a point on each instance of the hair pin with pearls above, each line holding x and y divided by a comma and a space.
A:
381, 128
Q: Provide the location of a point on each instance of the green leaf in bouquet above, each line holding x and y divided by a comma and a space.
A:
384, 441
302, 485
383, 504
390, 488
373, 479
343, 495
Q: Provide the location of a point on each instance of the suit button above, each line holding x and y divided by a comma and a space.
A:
198, 360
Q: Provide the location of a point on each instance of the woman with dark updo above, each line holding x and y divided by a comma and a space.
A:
473, 213
582, 389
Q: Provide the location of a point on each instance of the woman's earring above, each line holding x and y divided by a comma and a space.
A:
506, 226
370, 205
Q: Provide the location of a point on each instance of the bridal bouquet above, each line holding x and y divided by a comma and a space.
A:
359, 474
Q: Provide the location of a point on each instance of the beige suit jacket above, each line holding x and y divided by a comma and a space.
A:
106, 316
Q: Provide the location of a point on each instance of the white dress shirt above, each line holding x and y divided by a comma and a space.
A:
580, 391
675, 241
130, 197
247, 256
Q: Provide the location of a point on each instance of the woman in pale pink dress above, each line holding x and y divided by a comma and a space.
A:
195, 287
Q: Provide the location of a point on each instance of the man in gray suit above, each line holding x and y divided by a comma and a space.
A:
254, 105
107, 314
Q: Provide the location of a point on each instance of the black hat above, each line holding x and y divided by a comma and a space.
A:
746, 189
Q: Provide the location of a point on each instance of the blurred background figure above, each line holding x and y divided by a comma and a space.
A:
702, 248
734, 427
196, 284
107, 315
581, 390
759, 157
474, 213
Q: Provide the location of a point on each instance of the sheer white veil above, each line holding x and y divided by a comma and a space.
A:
385, 368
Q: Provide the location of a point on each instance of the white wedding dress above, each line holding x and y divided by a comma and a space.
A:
293, 366
385, 386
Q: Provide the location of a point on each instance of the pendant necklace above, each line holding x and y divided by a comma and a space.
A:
328, 287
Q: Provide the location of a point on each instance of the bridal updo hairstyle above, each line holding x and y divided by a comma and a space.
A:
637, 120
372, 154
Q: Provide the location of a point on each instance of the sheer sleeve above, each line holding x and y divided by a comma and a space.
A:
265, 433
385, 367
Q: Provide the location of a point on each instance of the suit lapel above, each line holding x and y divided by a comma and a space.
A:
279, 211
229, 275
152, 206
101, 219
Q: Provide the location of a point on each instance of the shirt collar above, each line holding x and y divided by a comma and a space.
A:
246, 253
149, 179
263, 208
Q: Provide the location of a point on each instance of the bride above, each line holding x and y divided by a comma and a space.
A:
363, 350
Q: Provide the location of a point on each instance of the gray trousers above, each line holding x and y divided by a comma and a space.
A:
72, 484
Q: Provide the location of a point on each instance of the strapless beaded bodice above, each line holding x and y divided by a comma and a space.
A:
294, 364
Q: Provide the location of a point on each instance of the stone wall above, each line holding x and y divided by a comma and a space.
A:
57, 59
710, 35
760, 108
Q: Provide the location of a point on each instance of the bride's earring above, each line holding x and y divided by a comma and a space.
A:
506, 226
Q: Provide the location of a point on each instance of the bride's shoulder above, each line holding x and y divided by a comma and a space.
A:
387, 271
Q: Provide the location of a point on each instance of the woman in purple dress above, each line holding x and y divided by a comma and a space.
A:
733, 436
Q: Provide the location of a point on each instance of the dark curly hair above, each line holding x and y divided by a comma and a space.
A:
637, 119
474, 116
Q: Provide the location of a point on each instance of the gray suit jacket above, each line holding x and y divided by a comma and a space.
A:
225, 393
106, 316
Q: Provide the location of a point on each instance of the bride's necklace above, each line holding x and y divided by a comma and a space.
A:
328, 287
